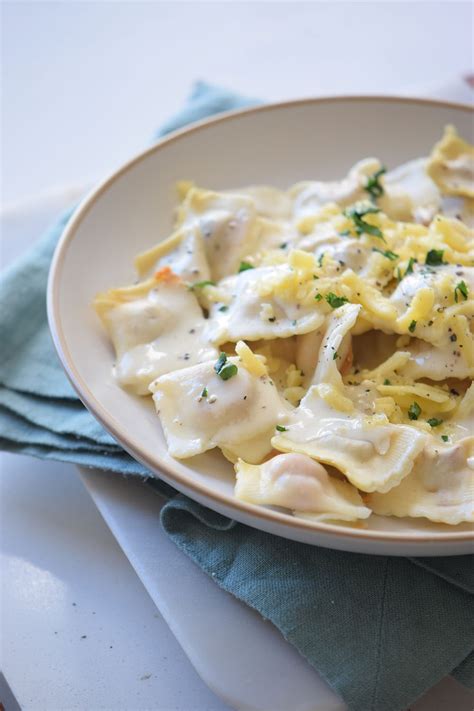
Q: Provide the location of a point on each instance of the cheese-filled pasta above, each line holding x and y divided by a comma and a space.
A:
320, 336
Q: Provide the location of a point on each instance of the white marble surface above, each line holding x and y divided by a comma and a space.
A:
78, 630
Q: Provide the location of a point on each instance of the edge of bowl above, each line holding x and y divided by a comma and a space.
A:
158, 465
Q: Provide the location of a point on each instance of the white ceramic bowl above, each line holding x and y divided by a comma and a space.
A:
277, 144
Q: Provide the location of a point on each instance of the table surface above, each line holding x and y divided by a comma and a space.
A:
96, 79
86, 84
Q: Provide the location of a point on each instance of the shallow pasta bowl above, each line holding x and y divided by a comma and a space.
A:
277, 144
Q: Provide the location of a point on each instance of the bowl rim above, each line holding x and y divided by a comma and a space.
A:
100, 412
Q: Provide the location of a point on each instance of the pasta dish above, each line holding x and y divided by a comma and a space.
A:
321, 337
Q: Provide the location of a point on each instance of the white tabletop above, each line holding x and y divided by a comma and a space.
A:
84, 86
79, 630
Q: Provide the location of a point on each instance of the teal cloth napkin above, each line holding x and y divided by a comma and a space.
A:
380, 630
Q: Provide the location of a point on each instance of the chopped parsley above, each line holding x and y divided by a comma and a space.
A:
228, 371
244, 266
345, 233
283, 245
462, 288
320, 259
224, 369
373, 186
414, 411
357, 213
204, 393
434, 258
318, 297
445, 438
335, 301
386, 253
434, 422
412, 326
202, 284
411, 262
280, 428
336, 355
221, 361
223, 308
387, 382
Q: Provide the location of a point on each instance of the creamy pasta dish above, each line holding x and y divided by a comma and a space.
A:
321, 337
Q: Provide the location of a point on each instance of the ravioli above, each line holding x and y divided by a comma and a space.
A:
425, 304
156, 327
440, 488
260, 304
426, 361
297, 482
321, 336
372, 453
228, 224
310, 196
184, 252
410, 194
451, 165
199, 411
269, 201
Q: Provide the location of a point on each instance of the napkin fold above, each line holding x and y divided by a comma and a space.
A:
381, 630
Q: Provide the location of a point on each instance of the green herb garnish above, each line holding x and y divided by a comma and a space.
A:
414, 411
204, 392
336, 355
228, 371
411, 262
412, 326
462, 288
445, 438
280, 428
434, 258
220, 362
320, 259
335, 301
434, 422
386, 253
387, 382
373, 186
223, 308
244, 266
359, 211
224, 369
283, 245
318, 297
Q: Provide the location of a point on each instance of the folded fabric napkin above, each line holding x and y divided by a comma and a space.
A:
380, 630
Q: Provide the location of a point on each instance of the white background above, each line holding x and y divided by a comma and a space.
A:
85, 84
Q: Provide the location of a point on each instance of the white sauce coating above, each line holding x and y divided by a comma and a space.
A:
356, 296
161, 331
199, 411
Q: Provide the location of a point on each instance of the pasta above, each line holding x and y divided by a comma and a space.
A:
321, 337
